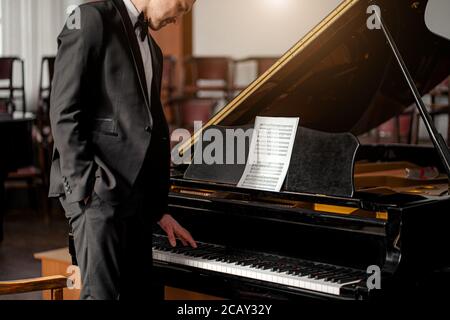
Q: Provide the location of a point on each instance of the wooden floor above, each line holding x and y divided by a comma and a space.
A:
25, 234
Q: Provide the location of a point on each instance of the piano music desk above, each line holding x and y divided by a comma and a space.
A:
56, 262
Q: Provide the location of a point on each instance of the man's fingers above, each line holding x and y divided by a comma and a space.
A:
183, 242
174, 231
184, 234
171, 236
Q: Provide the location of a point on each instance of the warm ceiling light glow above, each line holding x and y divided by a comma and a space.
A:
276, 3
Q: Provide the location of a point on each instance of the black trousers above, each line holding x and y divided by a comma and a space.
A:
114, 248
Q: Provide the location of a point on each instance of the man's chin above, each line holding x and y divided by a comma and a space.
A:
157, 27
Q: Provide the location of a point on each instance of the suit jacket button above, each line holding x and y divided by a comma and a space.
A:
148, 129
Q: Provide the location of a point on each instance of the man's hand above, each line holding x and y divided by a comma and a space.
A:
174, 231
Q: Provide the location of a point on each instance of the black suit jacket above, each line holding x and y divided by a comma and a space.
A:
102, 120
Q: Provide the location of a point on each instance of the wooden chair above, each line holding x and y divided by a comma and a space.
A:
8, 91
43, 134
34, 178
55, 284
264, 63
45, 88
208, 74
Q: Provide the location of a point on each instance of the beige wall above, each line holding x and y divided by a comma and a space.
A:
241, 28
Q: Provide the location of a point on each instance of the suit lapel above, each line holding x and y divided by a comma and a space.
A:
134, 47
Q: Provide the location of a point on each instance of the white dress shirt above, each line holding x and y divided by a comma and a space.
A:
143, 45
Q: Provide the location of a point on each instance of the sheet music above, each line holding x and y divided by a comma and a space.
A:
270, 153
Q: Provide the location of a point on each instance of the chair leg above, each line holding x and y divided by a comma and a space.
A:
32, 197
57, 294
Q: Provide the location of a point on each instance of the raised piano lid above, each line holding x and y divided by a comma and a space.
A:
342, 77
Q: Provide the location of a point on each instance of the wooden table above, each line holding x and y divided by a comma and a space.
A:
57, 262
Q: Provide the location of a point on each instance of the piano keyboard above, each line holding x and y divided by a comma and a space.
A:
295, 273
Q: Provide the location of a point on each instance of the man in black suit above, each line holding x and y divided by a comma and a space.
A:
111, 159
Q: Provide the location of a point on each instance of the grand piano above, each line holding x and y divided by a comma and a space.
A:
346, 209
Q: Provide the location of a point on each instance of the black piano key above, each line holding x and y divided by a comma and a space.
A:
324, 275
349, 279
304, 272
249, 263
212, 256
343, 276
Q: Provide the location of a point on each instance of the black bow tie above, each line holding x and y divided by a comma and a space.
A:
143, 25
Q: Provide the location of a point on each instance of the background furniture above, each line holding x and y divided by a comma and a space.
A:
208, 75
53, 283
439, 108
8, 88
45, 88
190, 110
17, 151
56, 262
261, 64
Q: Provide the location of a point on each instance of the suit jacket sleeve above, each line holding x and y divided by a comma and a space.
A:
78, 51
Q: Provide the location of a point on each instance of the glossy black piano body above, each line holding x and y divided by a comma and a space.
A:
340, 78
